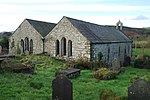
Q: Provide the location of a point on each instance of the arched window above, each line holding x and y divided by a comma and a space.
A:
63, 46
31, 46
57, 47
26, 44
69, 48
22, 45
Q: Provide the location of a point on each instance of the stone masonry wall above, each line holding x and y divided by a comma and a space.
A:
111, 51
26, 30
80, 44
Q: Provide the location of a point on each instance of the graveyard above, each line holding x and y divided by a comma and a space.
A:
38, 85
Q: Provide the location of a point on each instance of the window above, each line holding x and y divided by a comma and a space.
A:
22, 45
57, 47
63, 46
108, 54
31, 46
69, 48
119, 52
26, 44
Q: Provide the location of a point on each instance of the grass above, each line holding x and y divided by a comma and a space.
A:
18, 86
139, 51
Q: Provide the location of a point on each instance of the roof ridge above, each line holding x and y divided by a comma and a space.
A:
39, 21
42, 27
84, 21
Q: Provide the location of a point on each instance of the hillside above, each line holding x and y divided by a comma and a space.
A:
133, 33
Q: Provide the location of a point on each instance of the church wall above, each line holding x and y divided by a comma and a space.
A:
25, 30
80, 44
111, 51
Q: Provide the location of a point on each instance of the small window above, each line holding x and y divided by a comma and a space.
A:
69, 48
108, 54
63, 46
31, 46
22, 45
119, 52
26, 44
57, 47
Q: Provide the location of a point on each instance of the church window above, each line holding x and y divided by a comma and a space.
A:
57, 47
26, 44
31, 46
69, 48
63, 46
22, 45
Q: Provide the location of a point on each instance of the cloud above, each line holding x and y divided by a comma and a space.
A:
141, 17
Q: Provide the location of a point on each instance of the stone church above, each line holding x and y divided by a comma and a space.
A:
28, 38
72, 39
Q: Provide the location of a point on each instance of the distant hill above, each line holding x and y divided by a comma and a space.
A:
135, 32
6, 33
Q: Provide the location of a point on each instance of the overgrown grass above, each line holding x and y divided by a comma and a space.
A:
18, 86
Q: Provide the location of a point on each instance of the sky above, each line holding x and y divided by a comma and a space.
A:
132, 13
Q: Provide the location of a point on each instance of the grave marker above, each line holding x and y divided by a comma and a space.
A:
62, 88
139, 90
116, 64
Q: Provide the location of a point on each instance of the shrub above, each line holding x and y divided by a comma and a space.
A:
138, 63
80, 64
127, 61
143, 61
105, 74
107, 95
84, 63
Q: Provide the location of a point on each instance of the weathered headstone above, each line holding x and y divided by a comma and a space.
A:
139, 90
27, 52
116, 64
62, 88
21, 50
0, 49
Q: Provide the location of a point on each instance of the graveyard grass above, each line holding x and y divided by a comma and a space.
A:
19, 86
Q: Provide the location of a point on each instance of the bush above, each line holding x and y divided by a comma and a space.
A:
107, 95
85, 64
80, 64
142, 61
105, 74
138, 63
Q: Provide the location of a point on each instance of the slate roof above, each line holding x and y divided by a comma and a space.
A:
42, 27
98, 33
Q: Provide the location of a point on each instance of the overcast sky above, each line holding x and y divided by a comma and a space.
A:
133, 13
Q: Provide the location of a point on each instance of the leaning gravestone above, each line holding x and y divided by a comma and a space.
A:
139, 90
62, 88
116, 64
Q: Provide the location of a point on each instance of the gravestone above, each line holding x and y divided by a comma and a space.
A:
139, 90
62, 88
115, 64
0, 49
21, 50
27, 52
